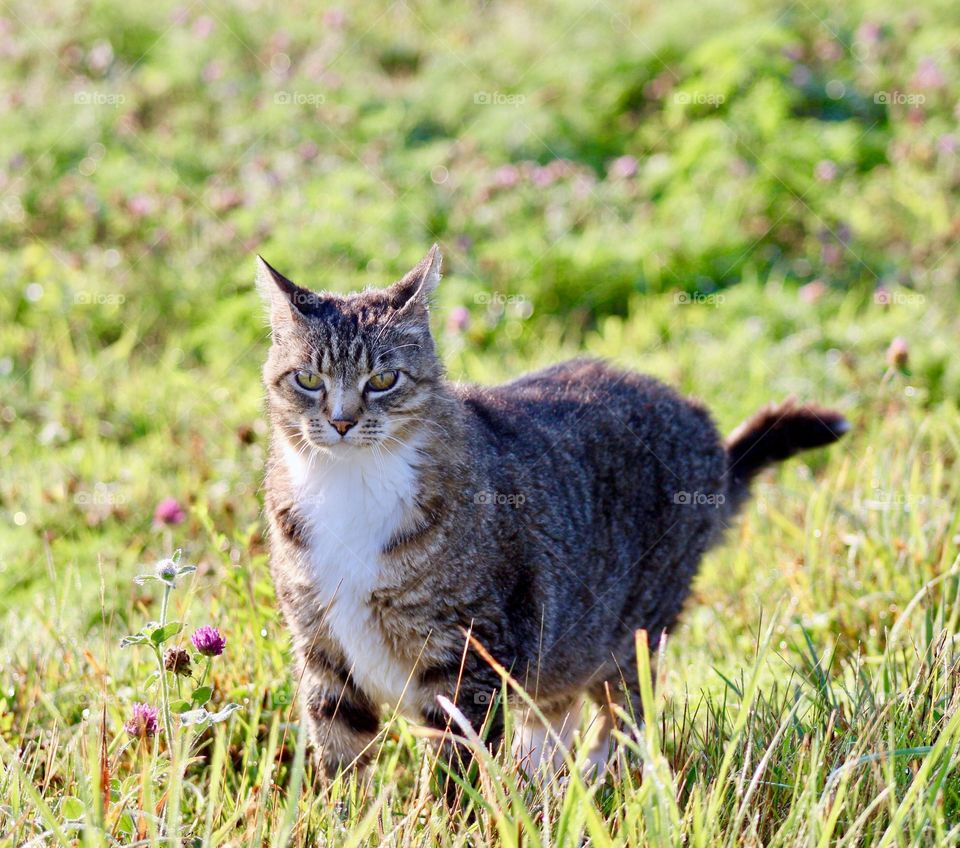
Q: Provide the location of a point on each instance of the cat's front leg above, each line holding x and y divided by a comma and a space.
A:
477, 702
343, 723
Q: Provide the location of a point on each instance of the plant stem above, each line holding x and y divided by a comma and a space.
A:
163, 604
206, 671
164, 692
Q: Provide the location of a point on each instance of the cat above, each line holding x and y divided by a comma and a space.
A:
550, 517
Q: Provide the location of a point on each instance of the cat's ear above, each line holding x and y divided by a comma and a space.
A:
412, 293
286, 301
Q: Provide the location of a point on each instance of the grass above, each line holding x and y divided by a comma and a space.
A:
809, 694
808, 697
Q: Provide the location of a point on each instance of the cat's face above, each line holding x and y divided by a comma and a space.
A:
351, 372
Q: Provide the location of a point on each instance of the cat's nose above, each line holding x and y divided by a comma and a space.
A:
341, 425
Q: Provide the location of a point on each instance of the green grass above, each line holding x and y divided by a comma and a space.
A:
809, 695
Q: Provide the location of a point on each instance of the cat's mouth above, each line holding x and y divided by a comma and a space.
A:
322, 435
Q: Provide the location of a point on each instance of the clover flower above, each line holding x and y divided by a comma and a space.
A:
168, 511
898, 354
458, 320
166, 571
208, 641
143, 722
624, 167
177, 660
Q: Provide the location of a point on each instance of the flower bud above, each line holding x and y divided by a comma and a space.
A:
898, 353
177, 660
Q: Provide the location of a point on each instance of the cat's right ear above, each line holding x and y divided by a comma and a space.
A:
287, 302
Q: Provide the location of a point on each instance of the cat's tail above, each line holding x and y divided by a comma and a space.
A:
776, 433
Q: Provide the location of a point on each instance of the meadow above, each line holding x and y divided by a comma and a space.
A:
749, 200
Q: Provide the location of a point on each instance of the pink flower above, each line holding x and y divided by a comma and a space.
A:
168, 511
334, 18
898, 353
459, 319
947, 144
141, 205
203, 26
929, 75
812, 291
623, 167
542, 177
825, 171
869, 32
506, 176
208, 641
143, 721
212, 71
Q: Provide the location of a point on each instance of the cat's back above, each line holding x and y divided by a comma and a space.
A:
601, 432
580, 397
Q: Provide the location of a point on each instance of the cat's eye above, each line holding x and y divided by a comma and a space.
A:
383, 381
308, 380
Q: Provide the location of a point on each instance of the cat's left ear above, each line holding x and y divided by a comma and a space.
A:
286, 301
414, 290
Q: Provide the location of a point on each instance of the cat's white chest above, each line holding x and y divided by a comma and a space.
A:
353, 503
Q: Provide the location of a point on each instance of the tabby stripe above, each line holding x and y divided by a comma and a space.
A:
290, 526
448, 672
358, 715
321, 661
405, 539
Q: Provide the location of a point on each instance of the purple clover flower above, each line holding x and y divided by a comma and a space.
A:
168, 511
143, 721
208, 641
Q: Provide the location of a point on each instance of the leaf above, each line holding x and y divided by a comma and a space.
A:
161, 634
224, 714
125, 825
140, 579
135, 639
72, 808
194, 717
201, 695
181, 706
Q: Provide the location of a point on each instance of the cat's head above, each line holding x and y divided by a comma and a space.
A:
351, 371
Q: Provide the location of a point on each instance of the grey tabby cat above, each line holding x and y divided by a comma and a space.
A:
550, 517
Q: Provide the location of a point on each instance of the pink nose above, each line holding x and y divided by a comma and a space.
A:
342, 425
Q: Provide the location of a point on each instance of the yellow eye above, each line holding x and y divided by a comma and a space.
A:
383, 381
308, 380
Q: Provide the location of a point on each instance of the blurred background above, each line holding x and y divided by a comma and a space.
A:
748, 199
